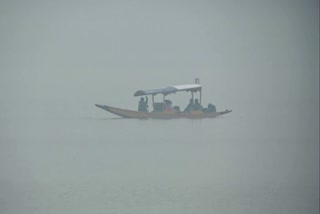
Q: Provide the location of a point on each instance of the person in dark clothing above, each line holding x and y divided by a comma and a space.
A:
143, 105
196, 105
177, 108
189, 107
211, 108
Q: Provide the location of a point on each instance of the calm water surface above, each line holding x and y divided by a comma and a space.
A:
231, 164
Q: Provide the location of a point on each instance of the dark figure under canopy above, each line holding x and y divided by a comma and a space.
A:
143, 104
189, 107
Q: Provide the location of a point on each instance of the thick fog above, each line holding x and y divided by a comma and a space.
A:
59, 58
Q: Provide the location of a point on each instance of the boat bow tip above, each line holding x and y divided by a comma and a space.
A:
102, 106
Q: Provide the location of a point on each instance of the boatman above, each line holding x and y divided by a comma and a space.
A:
196, 105
189, 107
143, 105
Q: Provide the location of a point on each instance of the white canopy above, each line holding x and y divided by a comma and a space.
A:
169, 90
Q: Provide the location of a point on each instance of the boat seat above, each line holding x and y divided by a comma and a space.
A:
158, 107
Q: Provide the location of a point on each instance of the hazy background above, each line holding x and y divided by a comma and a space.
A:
60, 154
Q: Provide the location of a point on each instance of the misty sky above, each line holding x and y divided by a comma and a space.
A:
59, 58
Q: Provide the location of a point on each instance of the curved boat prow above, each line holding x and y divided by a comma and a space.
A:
123, 112
224, 112
102, 107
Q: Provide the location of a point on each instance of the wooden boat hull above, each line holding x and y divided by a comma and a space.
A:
160, 115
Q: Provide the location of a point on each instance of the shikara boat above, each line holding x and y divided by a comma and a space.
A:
159, 108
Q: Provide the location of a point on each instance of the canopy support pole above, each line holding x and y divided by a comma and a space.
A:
164, 102
153, 101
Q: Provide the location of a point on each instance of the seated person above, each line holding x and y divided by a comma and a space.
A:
177, 108
211, 108
189, 107
196, 105
143, 105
